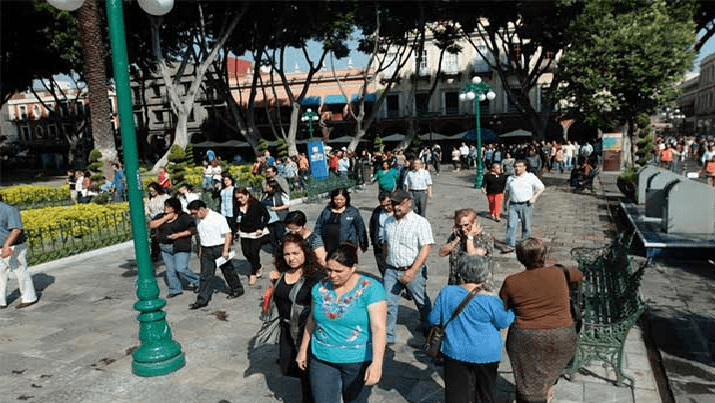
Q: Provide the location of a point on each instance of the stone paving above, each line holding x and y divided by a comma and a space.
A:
75, 345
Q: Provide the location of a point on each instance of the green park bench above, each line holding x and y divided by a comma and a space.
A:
610, 303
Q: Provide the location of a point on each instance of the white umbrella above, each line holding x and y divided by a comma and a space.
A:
516, 133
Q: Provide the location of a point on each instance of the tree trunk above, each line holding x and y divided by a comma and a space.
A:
293, 129
96, 78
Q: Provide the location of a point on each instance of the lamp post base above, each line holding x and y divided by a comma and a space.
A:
147, 369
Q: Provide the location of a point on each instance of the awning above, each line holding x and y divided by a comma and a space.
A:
471, 135
310, 101
516, 133
335, 100
370, 97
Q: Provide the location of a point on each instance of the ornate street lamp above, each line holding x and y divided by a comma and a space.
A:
158, 353
477, 91
310, 117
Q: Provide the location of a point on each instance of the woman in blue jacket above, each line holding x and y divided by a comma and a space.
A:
340, 222
470, 373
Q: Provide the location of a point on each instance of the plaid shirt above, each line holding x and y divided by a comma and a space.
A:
405, 238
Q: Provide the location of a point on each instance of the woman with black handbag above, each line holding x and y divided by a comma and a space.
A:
470, 312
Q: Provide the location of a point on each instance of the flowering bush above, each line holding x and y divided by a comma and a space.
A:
24, 195
76, 220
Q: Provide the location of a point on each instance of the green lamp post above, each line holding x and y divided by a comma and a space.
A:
158, 353
310, 117
477, 91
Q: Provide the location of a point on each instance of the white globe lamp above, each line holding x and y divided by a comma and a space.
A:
156, 7
67, 5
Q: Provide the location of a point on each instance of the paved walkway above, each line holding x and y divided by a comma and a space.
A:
75, 345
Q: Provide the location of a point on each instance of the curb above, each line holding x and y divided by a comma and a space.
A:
55, 264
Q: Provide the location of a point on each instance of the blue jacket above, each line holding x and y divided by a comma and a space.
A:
351, 227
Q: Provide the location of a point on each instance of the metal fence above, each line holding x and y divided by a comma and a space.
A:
77, 236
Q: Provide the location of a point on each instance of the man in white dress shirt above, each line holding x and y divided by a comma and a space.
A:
419, 183
215, 238
408, 242
522, 190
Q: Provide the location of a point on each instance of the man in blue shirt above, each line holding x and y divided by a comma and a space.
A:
13, 257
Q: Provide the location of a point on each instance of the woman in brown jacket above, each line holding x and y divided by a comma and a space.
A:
542, 339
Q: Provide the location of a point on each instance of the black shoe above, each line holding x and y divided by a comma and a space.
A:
235, 294
197, 305
194, 288
173, 294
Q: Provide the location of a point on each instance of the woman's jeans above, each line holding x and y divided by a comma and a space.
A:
177, 263
328, 380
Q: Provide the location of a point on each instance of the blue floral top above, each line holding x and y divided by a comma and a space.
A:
342, 332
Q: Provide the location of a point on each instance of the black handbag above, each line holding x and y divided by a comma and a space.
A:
433, 341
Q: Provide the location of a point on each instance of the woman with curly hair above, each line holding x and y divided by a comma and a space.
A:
296, 272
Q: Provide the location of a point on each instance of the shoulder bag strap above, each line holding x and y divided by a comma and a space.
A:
462, 305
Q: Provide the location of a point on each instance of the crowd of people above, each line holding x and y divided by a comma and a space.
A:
334, 322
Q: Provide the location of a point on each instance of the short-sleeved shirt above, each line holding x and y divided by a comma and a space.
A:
405, 238
480, 320
212, 229
182, 223
387, 179
227, 201
10, 219
342, 332
418, 180
521, 188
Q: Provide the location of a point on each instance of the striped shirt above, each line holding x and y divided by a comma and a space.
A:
405, 237
418, 180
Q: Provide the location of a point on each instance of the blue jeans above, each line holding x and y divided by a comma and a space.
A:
177, 263
518, 211
328, 380
416, 287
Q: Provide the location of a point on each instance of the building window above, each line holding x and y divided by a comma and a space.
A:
392, 104
155, 91
511, 105
139, 119
159, 116
481, 64
421, 62
64, 109
421, 103
451, 63
191, 116
545, 101
390, 63
25, 132
515, 52
187, 86
39, 133
137, 93
451, 103
37, 112
23, 112
53, 131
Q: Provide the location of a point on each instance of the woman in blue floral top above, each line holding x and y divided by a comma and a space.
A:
345, 333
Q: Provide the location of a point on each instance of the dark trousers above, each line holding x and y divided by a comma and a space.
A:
277, 230
380, 259
467, 382
209, 254
251, 249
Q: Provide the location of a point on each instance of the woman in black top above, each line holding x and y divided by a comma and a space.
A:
297, 271
251, 219
493, 185
174, 229
340, 222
